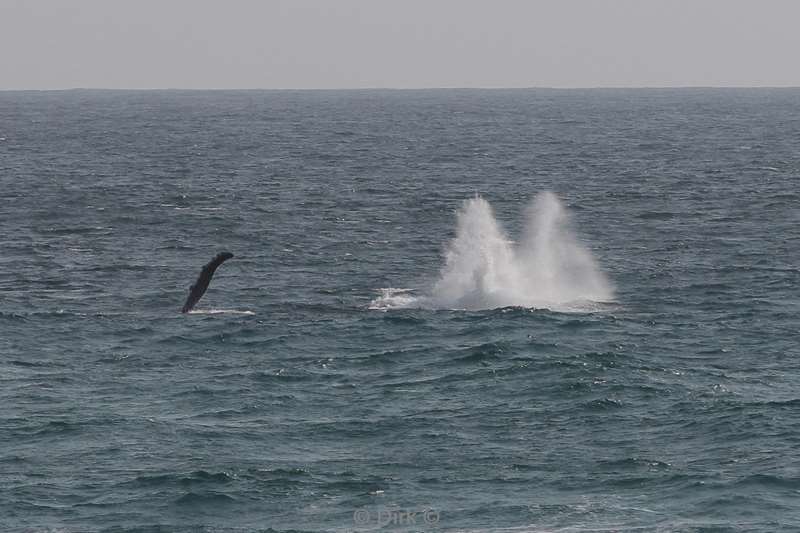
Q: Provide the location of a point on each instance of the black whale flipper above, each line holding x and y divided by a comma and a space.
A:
197, 290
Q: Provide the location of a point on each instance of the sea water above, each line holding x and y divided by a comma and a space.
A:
527, 310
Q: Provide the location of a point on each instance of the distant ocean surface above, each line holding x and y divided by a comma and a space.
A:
449, 310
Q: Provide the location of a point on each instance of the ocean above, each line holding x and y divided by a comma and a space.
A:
448, 310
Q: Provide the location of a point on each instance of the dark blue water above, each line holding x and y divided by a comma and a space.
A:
289, 404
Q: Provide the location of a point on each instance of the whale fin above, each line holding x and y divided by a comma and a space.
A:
197, 290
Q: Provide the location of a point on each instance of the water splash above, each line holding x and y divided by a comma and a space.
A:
393, 298
547, 268
220, 312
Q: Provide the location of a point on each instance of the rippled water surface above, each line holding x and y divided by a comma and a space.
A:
308, 392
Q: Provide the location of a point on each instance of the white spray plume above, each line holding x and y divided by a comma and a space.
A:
548, 268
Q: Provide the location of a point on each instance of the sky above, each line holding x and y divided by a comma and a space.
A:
327, 44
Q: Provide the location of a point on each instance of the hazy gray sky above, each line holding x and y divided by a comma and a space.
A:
48, 44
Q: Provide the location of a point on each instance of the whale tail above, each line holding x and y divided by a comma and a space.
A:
197, 290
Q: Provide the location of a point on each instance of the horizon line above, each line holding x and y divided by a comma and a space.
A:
437, 88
